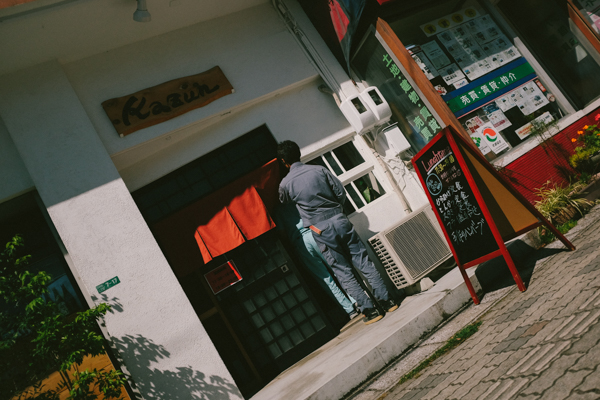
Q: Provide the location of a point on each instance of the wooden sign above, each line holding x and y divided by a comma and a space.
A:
165, 101
476, 207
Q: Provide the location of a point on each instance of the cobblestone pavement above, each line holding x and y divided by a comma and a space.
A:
540, 344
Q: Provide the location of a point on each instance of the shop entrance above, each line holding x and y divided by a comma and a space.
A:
265, 322
260, 309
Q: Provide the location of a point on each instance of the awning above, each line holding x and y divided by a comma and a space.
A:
221, 221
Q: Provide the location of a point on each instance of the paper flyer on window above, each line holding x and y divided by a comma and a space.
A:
426, 66
480, 143
451, 74
483, 29
528, 98
496, 116
525, 130
504, 103
478, 46
492, 137
461, 83
435, 54
501, 51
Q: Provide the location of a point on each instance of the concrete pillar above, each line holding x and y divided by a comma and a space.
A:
155, 329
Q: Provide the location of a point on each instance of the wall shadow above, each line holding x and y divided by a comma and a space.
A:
494, 274
184, 383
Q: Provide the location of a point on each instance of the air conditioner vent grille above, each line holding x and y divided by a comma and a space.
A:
418, 245
412, 248
388, 263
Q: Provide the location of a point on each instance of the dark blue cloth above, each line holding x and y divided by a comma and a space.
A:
314, 190
341, 247
319, 197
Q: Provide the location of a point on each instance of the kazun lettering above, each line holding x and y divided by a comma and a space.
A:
173, 100
128, 109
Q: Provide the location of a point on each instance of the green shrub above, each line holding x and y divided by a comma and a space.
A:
588, 140
36, 338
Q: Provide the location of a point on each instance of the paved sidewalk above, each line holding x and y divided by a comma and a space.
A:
540, 344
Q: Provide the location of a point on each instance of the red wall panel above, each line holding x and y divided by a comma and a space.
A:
547, 162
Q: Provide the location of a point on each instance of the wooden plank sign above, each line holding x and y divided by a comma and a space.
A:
476, 207
165, 101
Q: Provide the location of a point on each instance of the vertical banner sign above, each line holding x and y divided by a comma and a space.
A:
476, 208
418, 115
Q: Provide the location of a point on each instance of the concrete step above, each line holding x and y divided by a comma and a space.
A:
360, 351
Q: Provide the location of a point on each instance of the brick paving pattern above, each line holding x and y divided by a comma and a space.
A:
540, 344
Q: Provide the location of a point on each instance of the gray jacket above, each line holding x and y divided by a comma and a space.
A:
317, 193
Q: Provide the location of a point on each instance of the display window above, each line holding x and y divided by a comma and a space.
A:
465, 50
479, 72
545, 27
356, 174
591, 11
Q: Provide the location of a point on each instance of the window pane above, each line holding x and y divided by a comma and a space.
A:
369, 187
544, 24
333, 163
373, 64
349, 156
318, 161
354, 196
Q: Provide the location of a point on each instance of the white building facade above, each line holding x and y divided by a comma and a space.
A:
62, 157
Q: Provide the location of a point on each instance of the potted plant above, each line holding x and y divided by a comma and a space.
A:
587, 152
560, 204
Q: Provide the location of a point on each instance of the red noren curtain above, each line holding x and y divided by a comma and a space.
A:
221, 221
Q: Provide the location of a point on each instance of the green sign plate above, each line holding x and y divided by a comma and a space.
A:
108, 284
480, 92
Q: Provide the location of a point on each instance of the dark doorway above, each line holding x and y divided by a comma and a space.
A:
273, 316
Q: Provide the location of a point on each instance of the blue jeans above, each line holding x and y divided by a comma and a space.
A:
318, 266
341, 247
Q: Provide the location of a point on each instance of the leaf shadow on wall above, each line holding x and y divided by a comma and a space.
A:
184, 383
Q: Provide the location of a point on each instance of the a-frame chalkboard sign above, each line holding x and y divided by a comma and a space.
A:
476, 207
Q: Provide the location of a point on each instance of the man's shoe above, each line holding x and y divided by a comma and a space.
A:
353, 314
389, 305
371, 315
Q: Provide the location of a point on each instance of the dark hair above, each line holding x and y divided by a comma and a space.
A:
288, 151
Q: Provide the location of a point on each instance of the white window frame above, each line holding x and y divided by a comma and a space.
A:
349, 176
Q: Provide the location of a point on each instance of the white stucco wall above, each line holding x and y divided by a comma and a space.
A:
14, 178
159, 337
253, 48
303, 114
71, 30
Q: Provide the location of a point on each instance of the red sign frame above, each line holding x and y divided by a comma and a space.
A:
488, 178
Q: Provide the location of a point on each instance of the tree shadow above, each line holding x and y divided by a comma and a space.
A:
184, 383
495, 274
115, 303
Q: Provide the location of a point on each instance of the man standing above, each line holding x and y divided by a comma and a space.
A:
319, 197
288, 220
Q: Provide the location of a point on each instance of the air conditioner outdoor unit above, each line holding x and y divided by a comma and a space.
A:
412, 248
